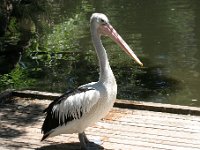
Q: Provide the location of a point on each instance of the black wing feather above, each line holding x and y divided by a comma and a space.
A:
52, 121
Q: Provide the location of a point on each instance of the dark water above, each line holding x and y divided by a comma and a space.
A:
55, 52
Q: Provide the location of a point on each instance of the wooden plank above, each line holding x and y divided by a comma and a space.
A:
158, 107
21, 120
35, 94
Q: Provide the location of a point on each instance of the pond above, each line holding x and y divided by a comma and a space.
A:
47, 46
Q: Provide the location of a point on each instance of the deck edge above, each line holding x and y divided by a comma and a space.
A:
158, 107
129, 104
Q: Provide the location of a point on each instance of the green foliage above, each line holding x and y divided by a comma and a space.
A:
13, 25
61, 43
64, 35
17, 78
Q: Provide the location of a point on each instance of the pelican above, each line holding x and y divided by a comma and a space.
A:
78, 109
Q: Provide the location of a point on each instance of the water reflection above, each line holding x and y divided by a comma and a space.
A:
57, 52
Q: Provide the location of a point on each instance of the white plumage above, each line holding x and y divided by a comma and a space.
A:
77, 109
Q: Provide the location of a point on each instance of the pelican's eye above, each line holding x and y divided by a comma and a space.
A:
102, 21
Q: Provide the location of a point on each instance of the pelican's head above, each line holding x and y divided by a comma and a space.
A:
99, 18
101, 24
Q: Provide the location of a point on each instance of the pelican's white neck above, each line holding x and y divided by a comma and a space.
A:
106, 74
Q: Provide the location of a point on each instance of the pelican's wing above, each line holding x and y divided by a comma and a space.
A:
70, 106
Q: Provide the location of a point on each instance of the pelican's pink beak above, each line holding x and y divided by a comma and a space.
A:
108, 30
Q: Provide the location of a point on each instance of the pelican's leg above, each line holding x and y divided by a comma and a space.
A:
85, 143
82, 141
85, 138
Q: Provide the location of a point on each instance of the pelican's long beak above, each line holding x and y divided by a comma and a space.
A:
108, 30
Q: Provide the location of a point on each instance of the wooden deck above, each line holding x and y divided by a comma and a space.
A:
126, 129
